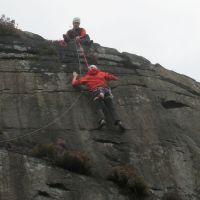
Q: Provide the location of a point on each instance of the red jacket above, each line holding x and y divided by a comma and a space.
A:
93, 79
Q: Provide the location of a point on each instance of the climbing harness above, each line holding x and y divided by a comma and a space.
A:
64, 113
102, 93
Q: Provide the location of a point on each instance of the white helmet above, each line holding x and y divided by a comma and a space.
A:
76, 19
92, 66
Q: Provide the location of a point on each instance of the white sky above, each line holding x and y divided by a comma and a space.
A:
163, 31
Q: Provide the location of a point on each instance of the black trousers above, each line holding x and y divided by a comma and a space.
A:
105, 103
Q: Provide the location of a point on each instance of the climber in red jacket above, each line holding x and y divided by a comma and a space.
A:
77, 33
96, 82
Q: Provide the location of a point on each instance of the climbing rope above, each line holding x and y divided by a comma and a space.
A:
45, 126
64, 113
79, 62
83, 53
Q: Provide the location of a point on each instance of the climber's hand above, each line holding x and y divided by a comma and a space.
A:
75, 74
78, 38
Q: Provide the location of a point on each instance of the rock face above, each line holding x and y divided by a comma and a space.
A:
160, 109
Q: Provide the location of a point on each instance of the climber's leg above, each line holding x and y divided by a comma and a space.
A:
99, 103
110, 105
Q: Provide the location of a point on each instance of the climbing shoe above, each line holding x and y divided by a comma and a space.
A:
120, 125
102, 123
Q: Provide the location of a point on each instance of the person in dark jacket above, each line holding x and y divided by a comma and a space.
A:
97, 83
77, 33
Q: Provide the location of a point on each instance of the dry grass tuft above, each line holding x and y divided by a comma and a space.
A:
75, 161
172, 196
8, 26
127, 178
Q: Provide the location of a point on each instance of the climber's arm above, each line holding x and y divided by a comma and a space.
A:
109, 77
82, 34
66, 37
77, 82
